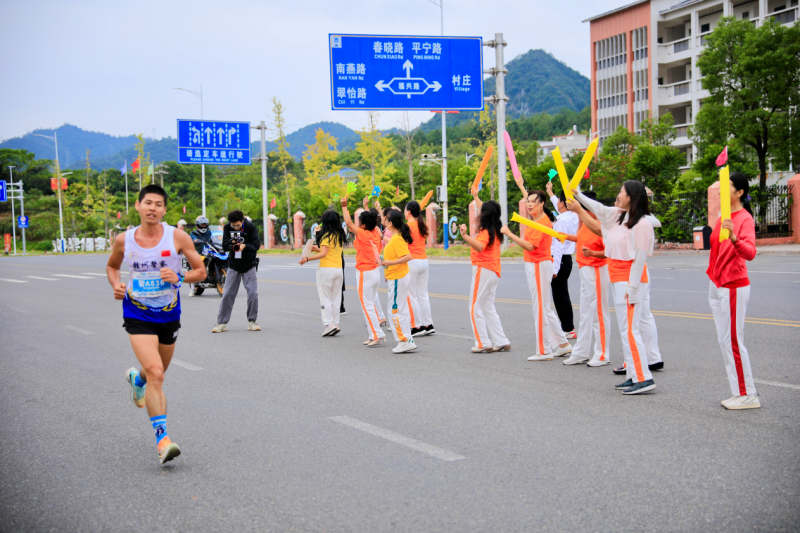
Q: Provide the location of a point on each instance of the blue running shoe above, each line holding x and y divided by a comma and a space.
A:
137, 393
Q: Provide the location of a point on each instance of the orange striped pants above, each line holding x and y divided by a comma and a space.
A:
485, 321
629, 318
546, 324
367, 283
595, 314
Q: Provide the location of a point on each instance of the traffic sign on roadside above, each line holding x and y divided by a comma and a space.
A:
3, 191
23, 222
406, 72
213, 143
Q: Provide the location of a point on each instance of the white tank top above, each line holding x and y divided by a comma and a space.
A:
144, 265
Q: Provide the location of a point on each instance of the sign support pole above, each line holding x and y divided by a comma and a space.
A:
264, 190
22, 211
13, 215
499, 100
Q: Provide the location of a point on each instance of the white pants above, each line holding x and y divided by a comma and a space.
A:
398, 306
595, 314
485, 321
729, 307
546, 324
377, 302
329, 287
648, 327
418, 293
367, 283
629, 318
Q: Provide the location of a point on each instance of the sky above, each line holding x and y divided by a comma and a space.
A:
111, 66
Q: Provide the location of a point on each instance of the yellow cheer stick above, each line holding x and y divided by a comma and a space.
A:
482, 169
541, 227
425, 200
724, 200
587, 158
562, 173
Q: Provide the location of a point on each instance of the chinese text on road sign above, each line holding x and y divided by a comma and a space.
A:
401, 72
213, 143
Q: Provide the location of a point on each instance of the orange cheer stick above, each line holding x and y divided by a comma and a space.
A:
482, 169
541, 227
425, 200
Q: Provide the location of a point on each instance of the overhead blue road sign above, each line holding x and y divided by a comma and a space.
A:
23, 222
213, 143
3, 191
406, 72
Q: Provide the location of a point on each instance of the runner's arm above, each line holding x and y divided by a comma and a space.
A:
113, 266
185, 246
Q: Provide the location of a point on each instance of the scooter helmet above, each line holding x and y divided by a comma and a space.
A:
201, 223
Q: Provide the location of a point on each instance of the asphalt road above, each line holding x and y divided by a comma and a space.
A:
282, 430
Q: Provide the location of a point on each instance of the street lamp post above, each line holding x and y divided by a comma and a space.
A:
202, 167
54, 138
440, 4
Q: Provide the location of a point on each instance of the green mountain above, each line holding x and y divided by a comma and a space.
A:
72, 144
536, 83
298, 140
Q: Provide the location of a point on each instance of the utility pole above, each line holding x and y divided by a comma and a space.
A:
105, 208
499, 100
160, 171
54, 138
126, 186
86, 215
13, 216
264, 192
445, 233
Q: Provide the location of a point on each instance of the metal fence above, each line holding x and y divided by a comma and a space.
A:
772, 210
678, 213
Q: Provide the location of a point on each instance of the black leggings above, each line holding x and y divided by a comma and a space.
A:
560, 285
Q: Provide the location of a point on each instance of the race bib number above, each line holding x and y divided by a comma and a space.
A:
149, 285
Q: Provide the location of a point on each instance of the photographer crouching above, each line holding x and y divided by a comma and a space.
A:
240, 240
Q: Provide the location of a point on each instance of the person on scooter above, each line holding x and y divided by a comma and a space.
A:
201, 234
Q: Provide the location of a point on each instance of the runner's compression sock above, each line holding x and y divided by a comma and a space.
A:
138, 381
160, 428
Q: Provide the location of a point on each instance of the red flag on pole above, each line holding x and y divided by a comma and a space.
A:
273, 203
587, 175
119, 215
398, 191
184, 210
722, 160
135, 165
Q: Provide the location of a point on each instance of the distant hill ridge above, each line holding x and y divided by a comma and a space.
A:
536, 82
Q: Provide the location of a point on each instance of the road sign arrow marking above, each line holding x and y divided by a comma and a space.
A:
208, 132
381, 86
436, 86
407, 66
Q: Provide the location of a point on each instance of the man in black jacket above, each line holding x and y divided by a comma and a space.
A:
240, 240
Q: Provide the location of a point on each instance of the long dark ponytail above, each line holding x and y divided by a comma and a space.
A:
331, 226
742, 183
395, 218
638, 206
490, 221
542, 198
416, 212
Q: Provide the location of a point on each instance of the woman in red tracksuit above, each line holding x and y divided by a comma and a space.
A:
729, 291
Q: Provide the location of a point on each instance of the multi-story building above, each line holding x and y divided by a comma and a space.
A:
567, 144
644, 59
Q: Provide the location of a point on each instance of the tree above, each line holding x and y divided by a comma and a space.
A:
279, 123
409, 149
375, 150
323, 178
657, 166
659, 131
753, 76
144, 160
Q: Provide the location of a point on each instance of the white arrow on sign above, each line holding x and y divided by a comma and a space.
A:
436, 85
381, 86
220, 132
208, 132
407, 66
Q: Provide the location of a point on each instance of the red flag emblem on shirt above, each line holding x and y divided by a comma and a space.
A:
165, 253
722, 160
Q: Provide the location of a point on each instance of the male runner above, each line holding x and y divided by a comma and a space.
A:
151, 304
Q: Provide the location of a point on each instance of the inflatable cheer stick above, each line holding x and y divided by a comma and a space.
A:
587, 158
482, 169
512, 158
535, 225
307, 248
562, 173
724, 200
425, 200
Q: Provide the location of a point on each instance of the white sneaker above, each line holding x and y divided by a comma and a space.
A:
330, 331
742, 402
540, 357
576, 360
219, 328
595, 362
404, 347
561, 351
252, 326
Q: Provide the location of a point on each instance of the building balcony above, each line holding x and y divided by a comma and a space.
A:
675, 50
675, 92
682, 130
786, 16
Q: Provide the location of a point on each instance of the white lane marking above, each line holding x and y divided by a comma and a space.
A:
187, 366
72, 276
450, 335
300, 314
79, 330
777, 384
94, 274
439, 453
14, 280
45, 279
